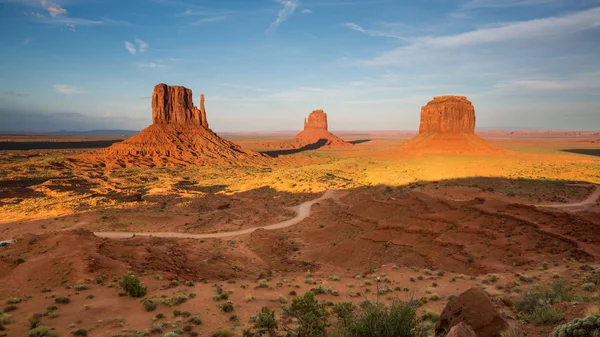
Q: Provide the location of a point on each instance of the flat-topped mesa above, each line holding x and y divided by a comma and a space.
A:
174, 104
317, 120
448, 114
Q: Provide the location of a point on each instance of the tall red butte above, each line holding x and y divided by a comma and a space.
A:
179, 136
316, 132
448, 127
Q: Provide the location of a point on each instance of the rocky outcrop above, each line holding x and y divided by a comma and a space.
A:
448, 127
316, 133
461, 330
448, 114
475, 309
179, 136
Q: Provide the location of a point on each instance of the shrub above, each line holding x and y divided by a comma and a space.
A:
195, 320
41, 331
159, 315
5, 319
172, 334
434, 297
311, 315
81, 332
132, 285
62, 300
156, 328
53, 313
515, 330
589, 326
9, 308
13, 300
588, 286
557, 292
430, 315
179, 299
225, 332
149, 305
81, 286
264, 323
227, 307
544, 315
376, 319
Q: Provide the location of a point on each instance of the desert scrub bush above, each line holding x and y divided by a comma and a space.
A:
41, 331
9, 308
5, 319
156, 328
588, 286
172, 334
311, 316
149, 305
589, 326
13, 300
544, 315
81, 286
62, 300
262, 285
430, 315
264, 323
195, 320
227, 307
249, 297
334, 278
557, 292
435, 297
80, 332
225, 332
377, 319
178, 299
526, 278
132, 285
514, 330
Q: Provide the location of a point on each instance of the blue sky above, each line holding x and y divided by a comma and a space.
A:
265, 64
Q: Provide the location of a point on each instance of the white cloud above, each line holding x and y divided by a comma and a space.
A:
210, 19
360, 29
68, 89
53, 9
586, 81
130, 47
37, 15
472, 4
537, 29
152, 65
141, 47
289, 6
306, 11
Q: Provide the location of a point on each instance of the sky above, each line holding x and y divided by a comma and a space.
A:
264, 65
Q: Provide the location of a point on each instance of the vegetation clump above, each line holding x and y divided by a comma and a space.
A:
589, 326
132, 286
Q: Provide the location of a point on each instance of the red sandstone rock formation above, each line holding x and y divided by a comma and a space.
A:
474, 308
179, 136
316, 133
448, 114
448, 127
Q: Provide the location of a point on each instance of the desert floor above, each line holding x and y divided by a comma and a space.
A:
395, 227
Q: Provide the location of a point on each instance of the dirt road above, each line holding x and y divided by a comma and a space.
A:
590, 200
302, 212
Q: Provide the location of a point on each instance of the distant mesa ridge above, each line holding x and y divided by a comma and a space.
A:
179, 136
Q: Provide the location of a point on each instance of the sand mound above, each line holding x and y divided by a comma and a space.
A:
179, 136
448, 127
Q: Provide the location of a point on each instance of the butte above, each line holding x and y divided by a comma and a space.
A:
316, 133
448, 127
179, 136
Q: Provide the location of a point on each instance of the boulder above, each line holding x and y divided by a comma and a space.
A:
473, 308
461, 330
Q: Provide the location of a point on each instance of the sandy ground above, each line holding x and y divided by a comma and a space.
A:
419, 225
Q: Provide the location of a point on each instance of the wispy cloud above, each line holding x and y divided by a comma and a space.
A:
26, 41
585, 81
306, 11
52, 8
151, 65
68, 89
17, 94
472, 4
538, 29
289, 7
210, 19
359, 28
140, 46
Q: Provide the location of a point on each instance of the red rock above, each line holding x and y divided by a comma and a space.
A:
448, 114
179, 136
474, 308
461, 330
316, 133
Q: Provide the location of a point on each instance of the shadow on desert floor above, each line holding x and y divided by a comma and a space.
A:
587, 152
92, 144
359, 141
314, 146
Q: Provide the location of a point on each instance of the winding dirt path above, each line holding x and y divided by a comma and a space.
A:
302, 212
590, 200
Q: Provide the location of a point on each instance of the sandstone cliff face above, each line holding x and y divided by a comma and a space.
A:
317, 120
174, 105
452, 114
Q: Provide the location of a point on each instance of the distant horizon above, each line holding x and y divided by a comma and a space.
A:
265, 65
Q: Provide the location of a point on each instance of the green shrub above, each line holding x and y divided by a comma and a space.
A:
589, 326
81, 286
41, 331
9, 308
227, 307
5, 319
515, 330
375, 319
435, 297
132, 286
13, 300
264, 323
179, 299
149, 305
225, 332
156, 328
62, 300
172, 334
195, 320
588, 286
311, 315
544, 315
557, 292
80, 332
430, 315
